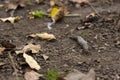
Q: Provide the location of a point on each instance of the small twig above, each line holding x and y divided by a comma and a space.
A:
13, 65
72, 15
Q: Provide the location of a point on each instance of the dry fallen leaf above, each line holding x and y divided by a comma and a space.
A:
1, 50
2, 63
21, 3
90, 75
14, 5
45, 57
80, 1
31, 62
11, 6
39, 1
1, 5
76, 75
30, 47
52, 2
32, 75
44, 36
10, 19
57, 13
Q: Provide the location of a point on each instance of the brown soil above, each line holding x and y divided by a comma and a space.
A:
65, 53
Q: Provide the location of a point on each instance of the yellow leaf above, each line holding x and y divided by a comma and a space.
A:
57, 13
54, 12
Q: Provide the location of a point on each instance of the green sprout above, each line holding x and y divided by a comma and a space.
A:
52, 75
39, 14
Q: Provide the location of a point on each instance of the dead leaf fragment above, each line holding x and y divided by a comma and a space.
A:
10, 6
31, 62
80, 1
2, 63
45, 57
10, 19
76, 75
21, 3
57, 13
32, 75
52, 2
1, 50
1, 5
44, 36
30, 47
39, 1
90, 75
13, 5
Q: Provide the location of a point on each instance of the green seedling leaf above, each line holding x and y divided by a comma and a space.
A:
52, 75
39, 14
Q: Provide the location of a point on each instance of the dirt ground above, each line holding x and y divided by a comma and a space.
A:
103, 37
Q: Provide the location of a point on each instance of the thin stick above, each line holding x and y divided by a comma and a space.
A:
13, 65
72, 15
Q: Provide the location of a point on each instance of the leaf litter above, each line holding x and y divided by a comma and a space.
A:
44, 36
77, 75
45, 57
14, 5
31, 62
32, 75
1, 50
80, 1
29, 59
30, 47
57, 12
10, 19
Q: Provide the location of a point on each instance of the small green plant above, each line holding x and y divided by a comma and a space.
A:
52, 75
38, 14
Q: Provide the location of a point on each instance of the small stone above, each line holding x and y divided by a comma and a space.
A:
67, 25
77, 5
65, 65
